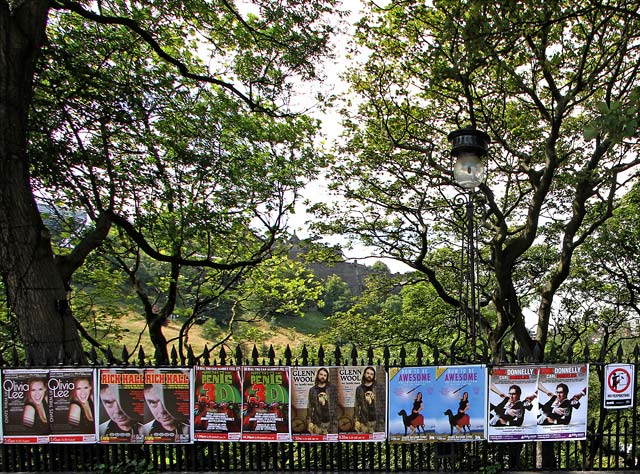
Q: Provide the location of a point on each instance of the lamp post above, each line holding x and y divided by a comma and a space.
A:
469, 146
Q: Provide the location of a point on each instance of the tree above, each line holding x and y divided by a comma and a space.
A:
601, 294
280, 287
101, 83
545, 81
337, 295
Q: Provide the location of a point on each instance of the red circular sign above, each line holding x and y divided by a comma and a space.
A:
618, 380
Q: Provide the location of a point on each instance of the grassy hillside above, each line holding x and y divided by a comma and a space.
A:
292, 331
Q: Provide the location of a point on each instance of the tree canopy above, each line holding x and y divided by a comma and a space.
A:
169, 124
555, 85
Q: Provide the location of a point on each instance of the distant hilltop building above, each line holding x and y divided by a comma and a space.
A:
332, 262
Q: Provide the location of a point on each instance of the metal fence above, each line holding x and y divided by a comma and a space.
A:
611, 443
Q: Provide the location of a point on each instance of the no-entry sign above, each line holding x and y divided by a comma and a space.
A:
619, 383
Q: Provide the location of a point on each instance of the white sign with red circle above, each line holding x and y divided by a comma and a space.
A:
618, 389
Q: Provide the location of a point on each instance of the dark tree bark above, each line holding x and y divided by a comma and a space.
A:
34, 285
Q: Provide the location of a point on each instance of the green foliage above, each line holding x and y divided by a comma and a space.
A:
280, 287
383, 316
534, 77
130, 466
337, 295
600, 302
616, 121
314, 323
177, 131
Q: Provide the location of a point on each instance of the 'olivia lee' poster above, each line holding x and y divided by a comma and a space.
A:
26, 407
72, 395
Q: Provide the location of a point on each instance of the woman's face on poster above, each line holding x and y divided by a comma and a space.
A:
37, 391
83, 390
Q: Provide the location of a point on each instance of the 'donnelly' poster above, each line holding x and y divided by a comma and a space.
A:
265, 407
362, 402
314, 404
167, 407
538, 403
71, 392
217, 403
26, 409
121, 405
562, 409
513, 403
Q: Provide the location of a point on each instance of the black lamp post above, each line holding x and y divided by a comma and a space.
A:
469, 146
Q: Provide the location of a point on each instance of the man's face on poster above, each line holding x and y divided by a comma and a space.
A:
112, 406
369, 375
155, 402
322, 377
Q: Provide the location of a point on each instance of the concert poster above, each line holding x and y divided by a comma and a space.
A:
217, 403
314, 404
513, 404
167, 407
26, 406
72, 395
265, 404
460, 403
411, 415
121, 407
362, 403
562, 402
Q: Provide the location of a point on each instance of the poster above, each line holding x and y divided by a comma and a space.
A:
26, 409
314, 404
72, 395
217, 403
167, 406
562, 405
411, 414
265, 404
619, 386
513, 403
460, 402
362, 403
121, 407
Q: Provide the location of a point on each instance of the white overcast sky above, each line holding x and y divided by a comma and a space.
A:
316, 190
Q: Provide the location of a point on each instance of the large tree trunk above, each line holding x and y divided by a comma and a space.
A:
35, 289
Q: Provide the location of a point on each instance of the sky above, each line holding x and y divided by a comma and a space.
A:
316, 190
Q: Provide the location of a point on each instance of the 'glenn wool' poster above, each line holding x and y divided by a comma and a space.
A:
362, 403
314, 404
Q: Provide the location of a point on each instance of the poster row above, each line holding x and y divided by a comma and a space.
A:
312, 404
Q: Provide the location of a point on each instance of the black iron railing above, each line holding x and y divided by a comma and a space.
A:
611, 444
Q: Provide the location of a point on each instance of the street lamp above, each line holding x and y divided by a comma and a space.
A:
468, 147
